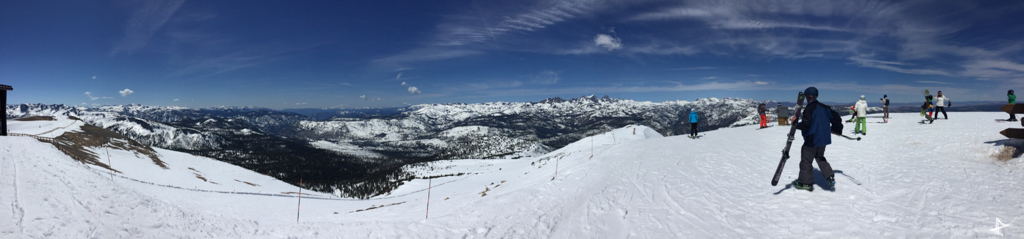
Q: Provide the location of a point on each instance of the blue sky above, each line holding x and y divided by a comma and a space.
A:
312, 54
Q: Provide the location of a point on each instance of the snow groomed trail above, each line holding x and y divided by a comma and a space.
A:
903, 179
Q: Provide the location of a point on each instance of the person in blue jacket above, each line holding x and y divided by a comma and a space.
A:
693, 123
817, 124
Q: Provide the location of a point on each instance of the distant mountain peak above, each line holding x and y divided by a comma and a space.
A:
589, 98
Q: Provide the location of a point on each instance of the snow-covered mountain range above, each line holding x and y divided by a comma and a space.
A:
374, 147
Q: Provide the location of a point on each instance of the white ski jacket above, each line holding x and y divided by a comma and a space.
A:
861, 107
941, 101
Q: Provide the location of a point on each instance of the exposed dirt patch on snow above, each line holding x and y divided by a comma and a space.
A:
250, 184
80, 145
1008, 152
375, 207
37, 118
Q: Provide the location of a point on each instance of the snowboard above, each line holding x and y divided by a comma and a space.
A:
1013, 133
1012, 108
765, 127
789, 140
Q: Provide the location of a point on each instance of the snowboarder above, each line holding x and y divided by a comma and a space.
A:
928, 107
940, 105
885, 106
817, 123
861, 108
764, 118
783, 113
1012, 99
693, 123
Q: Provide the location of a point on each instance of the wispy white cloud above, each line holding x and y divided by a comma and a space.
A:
93, 77
675, 13
994, 69
490, 85
895, 66
91, 97
176, 100
548, 77
608, 42
466, 34
899, 32
247, 57
303, 103
426, 54
414, 90
363, 97
126, 92
498, 18
145, 19
901, 36
399, 76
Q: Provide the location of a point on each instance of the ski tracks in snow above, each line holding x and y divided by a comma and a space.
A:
69, 199
9, 194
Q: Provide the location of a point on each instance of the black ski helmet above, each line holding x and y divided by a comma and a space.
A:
811, 91
885, 96
1009, 92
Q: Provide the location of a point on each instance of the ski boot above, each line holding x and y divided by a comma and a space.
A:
831, 181
798, 185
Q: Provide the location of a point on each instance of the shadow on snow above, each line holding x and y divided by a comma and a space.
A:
820, 182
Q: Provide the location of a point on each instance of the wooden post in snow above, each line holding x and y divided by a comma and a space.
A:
430, 184
556, 168
110, 165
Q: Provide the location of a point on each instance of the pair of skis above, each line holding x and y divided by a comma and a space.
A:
789, 140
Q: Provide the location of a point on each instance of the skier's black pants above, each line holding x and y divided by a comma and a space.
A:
693, 129
943, 109
808, 154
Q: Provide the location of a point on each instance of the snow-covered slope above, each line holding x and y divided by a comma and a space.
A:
904, 179
47, 194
